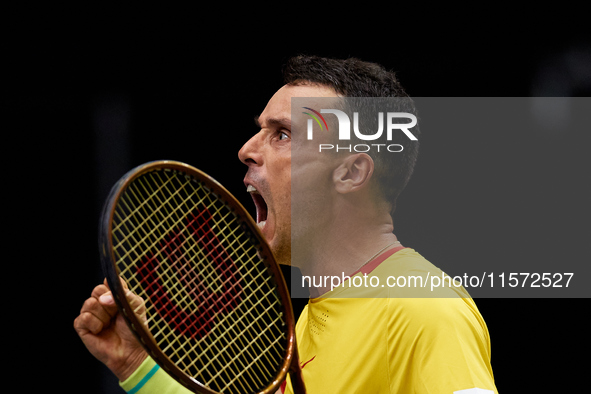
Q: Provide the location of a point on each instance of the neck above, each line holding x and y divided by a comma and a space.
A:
352, 242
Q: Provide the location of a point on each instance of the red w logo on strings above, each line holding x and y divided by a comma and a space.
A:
173, 248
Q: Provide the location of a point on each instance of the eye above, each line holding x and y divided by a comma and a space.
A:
283, 135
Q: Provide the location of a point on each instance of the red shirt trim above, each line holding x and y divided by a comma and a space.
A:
373, 264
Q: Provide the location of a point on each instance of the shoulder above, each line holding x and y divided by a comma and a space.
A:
407, 274
437, 316
422, 293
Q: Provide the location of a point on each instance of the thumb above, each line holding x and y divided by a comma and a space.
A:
107, 299
108, 303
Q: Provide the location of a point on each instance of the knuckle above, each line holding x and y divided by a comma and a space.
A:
131, 296
139, 301
99, 290
90, 304
93, 324
85, 321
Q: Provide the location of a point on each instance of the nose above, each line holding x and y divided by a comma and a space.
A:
250, 153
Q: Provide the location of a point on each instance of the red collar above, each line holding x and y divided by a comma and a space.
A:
372, 265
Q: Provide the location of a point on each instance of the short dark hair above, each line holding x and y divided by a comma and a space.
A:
352, 77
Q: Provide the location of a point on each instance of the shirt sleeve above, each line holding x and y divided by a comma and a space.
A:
149, 378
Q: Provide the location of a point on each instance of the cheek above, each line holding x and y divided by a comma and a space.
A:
282, 175
280, 188
283, 201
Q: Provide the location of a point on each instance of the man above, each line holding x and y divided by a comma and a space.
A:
373, 340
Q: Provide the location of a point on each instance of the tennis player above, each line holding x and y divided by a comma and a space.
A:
366, 339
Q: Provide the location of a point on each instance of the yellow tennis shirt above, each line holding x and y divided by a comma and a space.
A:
382, 341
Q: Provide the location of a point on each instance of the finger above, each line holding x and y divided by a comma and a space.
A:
107, 300
137, 303
123, 283
105, 296
93, 307
99, 291
139, 307
92, 318
87, 322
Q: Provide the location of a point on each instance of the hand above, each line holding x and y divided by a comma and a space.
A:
105, 333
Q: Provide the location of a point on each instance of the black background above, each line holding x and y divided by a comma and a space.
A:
186, 85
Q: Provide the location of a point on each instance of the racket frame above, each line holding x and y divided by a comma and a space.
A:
108, 261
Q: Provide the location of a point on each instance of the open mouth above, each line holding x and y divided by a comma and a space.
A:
260, 205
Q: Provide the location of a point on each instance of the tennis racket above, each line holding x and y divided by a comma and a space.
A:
219, 316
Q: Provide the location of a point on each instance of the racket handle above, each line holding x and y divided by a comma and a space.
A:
297, 382
295, 374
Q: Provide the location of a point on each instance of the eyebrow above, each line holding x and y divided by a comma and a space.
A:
281, 122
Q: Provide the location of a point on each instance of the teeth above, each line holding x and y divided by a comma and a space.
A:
250, 189
262, 224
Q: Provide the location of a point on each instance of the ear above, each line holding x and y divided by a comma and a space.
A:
353, 173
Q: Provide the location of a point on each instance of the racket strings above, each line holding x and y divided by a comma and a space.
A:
247, 343
236, 239
152, 219
232, 330
210, 277
156, 334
